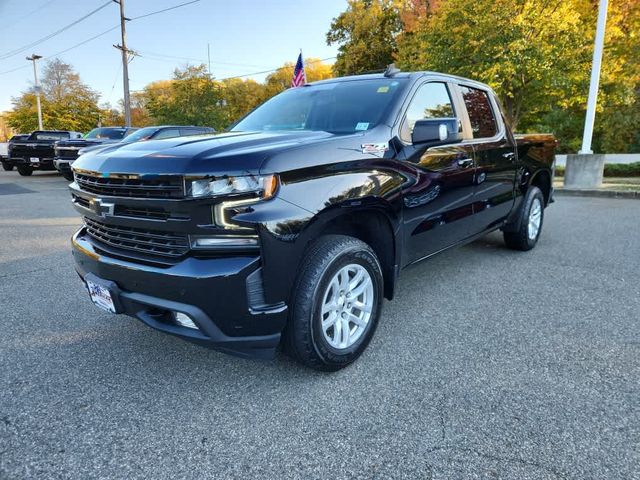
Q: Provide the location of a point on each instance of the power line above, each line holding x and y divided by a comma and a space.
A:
96, 36
65, 50
164, 10
274, 69
264, 71
51, 35
173, 57
13, 23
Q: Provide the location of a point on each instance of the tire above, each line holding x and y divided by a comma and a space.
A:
319, 284
25, 171
525, 234
68, 176
7, 167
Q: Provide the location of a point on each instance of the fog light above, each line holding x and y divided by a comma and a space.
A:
184, 320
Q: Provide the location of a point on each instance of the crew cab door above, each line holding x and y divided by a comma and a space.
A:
438, 205
495, 156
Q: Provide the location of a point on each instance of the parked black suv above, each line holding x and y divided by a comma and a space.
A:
7, 163
292, 227
66, 151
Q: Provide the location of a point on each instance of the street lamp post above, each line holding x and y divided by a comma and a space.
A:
595, 78
584, 170
34, 58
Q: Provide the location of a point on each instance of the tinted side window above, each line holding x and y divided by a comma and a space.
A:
191, 131
167, 133
432, 100
483, 121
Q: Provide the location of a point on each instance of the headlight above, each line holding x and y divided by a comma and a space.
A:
263, 186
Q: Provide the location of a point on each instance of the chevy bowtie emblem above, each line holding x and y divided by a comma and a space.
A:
101, 208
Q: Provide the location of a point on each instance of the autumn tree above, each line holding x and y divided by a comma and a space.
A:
366, 36
193, 97
532, 53
280, 80
67, 102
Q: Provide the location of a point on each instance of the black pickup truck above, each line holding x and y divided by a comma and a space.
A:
37, 151
291, 228
7, 164
66, 151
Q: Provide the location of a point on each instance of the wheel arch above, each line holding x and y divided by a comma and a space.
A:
542, 180
375, 228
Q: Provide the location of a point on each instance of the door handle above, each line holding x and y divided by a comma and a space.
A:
465, 162
509, 156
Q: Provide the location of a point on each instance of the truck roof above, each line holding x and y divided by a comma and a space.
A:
400, 74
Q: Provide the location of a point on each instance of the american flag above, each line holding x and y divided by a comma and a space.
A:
299, 77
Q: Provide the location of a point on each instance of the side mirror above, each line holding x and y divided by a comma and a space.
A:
436, 130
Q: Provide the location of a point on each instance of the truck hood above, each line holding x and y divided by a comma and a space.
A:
85, 142
232, 153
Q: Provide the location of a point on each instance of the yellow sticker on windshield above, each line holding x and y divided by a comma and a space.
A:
384, 89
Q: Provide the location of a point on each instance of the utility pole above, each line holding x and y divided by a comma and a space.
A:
33, 58
125, 64
595, 78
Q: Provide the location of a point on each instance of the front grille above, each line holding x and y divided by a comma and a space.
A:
139, 212
138, 240
167, 187
71, 153
81, 201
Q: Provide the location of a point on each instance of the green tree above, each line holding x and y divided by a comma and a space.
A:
366, 34
67, 102
537, 56
191, 98
532, 53
241, 96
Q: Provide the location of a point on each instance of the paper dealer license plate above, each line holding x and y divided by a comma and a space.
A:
101, 296
34, 160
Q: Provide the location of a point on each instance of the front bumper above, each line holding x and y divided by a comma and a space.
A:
63, 165
214, 292
42, 163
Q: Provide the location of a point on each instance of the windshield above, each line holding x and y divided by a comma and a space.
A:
339, 107
107, 133
141, 134
49, 136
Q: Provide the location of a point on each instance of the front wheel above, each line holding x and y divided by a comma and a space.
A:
24, 170
336, 305
528, 224
7, 167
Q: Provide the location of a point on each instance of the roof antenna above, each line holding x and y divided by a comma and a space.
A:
391, 70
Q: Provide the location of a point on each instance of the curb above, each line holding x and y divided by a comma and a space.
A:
574, 192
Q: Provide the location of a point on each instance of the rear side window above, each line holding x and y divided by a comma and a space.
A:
483, 121
167, 133
192, 131
432, 100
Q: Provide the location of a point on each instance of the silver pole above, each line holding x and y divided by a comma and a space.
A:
34, 58
595, 78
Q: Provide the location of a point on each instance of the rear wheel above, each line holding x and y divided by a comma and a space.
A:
528, 225
336, 304
7, 167
25, 170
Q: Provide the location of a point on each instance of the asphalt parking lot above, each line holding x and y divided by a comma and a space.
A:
489, 364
